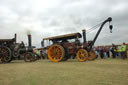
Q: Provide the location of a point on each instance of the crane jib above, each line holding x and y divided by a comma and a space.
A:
97, 34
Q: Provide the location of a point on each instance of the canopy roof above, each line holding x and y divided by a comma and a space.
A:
62, 37
6, 40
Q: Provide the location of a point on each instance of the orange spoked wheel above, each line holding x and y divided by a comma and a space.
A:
92, 55
82, 55
56, 53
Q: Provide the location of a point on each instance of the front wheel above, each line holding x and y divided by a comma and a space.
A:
82, 55
29, 57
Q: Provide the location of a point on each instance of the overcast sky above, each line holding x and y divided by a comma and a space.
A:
46, 18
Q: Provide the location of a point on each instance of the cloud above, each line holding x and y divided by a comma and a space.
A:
47, 18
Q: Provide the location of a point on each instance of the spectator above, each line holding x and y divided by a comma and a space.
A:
101, 53
104, 51
113, 50
97, 52
95, 49
108, 51
123, 48
119, 52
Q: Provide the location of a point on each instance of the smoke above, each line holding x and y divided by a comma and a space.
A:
28, 32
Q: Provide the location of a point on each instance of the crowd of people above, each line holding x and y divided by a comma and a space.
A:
113, 51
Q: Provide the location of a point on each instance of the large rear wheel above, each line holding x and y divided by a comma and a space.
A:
5, 54
82, 55
56, 53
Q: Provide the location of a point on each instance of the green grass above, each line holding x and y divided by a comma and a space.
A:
71, 72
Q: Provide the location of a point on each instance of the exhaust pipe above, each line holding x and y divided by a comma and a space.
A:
15, 36
29, 40
84, 36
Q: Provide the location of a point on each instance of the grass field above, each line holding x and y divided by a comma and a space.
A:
71, 72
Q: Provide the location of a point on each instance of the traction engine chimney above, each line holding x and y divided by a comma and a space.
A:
29, 40
84, 36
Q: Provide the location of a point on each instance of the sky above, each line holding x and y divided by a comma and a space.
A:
47, 18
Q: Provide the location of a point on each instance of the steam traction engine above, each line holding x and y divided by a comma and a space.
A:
10, 50
61, 49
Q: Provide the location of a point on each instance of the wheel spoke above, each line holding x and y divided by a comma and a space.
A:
29, 57
5, 54
82, 55
56, 53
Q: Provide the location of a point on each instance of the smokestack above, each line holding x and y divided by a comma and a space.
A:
84, 36
29, 40
15, 36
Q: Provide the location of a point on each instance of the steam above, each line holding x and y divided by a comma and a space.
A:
28, 32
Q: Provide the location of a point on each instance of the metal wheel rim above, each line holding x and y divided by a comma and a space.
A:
55, 53
5, 54
82, 55
28, 57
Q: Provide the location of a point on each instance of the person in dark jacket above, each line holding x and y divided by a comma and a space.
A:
108, 51
113, 50
101, 53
